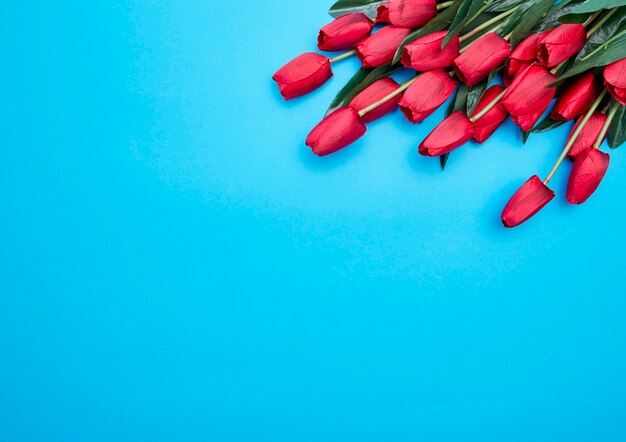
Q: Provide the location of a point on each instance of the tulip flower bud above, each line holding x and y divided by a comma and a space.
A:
380, 47
615, 80
528, 200
485, 126
453, 132
529, 95
407, 13
522, 56
560, 44
429, 91
588, 135
589, 168
344, 32
576, 98
303, 74
336, 131
481, 57
426, 53
374, 93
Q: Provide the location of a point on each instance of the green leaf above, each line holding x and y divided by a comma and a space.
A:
362, 79
548, 124
367, 7
467, 12
613, 50
443, 160
532, 16
439, 23
525, 135
554, 15
613, 26
476, 92
503, 5
460, 100
591, 6
617, 132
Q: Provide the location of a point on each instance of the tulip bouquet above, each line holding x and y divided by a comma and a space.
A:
490, 59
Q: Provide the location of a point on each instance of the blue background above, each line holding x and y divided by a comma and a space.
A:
177, 265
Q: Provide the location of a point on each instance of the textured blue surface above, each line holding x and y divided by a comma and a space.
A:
176, 265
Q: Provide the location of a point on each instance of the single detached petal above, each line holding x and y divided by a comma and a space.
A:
483, 56
615, 80
561, 43
429, 91
303, 74
374, 93
588, 135
589, 168
407, 13
491, 121
344, 32
336, 131
451, 133
426, 52
529, 95
381, 46
576, 97
528, 200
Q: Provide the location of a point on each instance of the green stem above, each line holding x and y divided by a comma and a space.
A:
343, 56
444, 5
600, 23
490, 106
485, 25
404, 86
606, 126
575, 135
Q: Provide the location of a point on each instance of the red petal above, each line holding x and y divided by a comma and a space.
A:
589, 168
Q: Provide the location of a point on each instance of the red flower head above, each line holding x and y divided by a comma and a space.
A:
528, 200
487, 125
303, 74
429, 91
589, 168
615, 80
560, 44
381, 46
588, 135
373, 93
407, 13
482, 57
336, 131
453, 132
426, 53
522, 56
576, 98
529, 95
344, 32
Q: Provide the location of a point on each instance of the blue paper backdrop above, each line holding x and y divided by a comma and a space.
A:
177, 265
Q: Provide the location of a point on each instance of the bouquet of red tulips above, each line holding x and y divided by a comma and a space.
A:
490, 59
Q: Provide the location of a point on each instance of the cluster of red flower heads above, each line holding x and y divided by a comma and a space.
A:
535, 69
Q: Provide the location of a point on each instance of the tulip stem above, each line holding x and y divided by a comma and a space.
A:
606, 126
574, 136
404, 86
343, 56
487, 108
600, 23
485, 25
444, 5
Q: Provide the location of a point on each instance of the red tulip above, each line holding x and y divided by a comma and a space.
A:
407, 13
373, 93
381, 46
615, 80
588, 135
453, 132
344, 32
429, 91
336, 131
589, 168
576, 98
426, 53
303, 74
528, 200
560, 44
487, 125
482, 57
529, 95
522, 56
